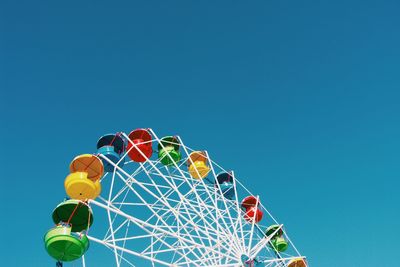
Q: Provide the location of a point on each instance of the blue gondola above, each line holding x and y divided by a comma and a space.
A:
225, 182
112, 146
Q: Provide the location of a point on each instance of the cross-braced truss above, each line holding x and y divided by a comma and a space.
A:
163, 215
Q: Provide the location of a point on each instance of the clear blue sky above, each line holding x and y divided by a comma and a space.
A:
313, 86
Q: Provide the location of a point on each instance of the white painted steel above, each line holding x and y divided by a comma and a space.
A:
161, 214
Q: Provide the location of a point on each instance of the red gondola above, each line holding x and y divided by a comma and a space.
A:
142, 139
251, 205
253, 213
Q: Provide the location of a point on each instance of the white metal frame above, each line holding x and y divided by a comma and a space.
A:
163, 215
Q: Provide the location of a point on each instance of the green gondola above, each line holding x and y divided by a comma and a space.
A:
75, 213
168, 150
63, 245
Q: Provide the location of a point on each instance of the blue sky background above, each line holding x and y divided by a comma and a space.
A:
312, 86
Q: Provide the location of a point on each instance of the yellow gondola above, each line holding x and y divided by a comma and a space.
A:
300, 262
83, 182
88, 163
198, 167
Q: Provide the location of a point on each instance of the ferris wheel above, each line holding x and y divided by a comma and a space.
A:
160, 201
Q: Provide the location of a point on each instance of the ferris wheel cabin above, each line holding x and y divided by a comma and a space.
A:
111, 146
142, 149
83, 181
225, 182
64, 245
277, 241
297, 263
252, 211
198, 165
168, 150
75, 213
